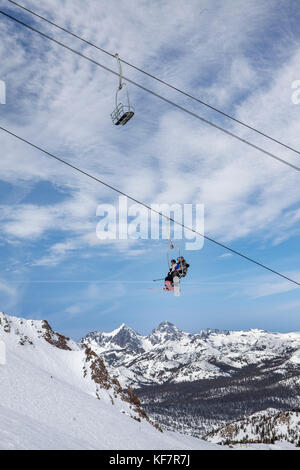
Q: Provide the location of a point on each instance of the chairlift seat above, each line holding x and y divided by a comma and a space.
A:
122, 114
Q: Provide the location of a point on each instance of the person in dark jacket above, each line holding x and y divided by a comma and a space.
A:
172, 271
182, 266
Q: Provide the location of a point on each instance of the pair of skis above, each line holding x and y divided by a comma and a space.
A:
171, 288
176, 286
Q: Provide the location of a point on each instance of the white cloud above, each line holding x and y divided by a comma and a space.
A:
10, 295
7, 288
263, 286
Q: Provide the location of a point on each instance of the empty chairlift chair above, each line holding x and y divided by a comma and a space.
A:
123, 112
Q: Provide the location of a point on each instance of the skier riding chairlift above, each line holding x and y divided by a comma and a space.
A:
176, 272
182, 266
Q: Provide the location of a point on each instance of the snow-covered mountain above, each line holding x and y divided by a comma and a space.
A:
168, 354
57, 394
267, 426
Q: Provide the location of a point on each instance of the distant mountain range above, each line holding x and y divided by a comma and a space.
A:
198, 383
169, 355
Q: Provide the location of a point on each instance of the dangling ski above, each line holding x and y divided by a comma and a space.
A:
176, 283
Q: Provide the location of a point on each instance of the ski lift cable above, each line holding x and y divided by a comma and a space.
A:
172, 246
170, 219
166, 100
188, 95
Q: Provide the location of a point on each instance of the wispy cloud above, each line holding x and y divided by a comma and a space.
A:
10, 295
263, 287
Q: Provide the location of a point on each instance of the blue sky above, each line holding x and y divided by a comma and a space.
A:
239, 56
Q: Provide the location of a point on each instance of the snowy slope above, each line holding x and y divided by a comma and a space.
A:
171, 355
55, 394
268, 426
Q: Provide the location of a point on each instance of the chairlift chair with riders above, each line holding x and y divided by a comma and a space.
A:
173, 284
123, 112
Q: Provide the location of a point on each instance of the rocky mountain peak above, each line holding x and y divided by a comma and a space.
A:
166, 325
124, 337
165, 331
29, 331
